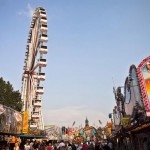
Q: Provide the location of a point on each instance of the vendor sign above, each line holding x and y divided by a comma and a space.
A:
126, 122
25, 122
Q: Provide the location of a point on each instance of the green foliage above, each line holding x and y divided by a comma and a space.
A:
8, 96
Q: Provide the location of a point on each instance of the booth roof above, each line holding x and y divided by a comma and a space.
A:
31, 136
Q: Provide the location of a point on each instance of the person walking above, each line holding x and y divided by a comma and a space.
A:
110, 145
27, 146
106, 147
91, 147
16, 147
49, 147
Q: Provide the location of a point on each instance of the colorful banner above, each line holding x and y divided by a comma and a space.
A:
25, 122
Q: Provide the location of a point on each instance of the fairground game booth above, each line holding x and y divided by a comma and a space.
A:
10, 125
131, 115
14, 127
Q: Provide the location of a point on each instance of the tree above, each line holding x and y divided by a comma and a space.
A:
8, 96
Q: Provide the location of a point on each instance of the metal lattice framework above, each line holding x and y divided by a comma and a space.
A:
32, 88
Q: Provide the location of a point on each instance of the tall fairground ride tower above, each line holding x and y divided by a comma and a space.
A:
33, 75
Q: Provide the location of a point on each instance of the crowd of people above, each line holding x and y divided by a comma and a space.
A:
39, 144
67, 145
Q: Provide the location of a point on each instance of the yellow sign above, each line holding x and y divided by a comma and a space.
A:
25, 122
126, 122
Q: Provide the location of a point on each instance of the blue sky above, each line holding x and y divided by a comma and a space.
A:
90, 42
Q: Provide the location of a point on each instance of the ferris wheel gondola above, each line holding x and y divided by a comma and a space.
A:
32, 88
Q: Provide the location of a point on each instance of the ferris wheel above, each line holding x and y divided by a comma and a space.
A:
32, 88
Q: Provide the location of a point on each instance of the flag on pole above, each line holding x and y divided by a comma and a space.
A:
82, 132
100, 122
60, 133
93, 131
73, 123
68, 131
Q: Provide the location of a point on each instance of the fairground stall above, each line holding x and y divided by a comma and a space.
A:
131, 115
10, 125
86, 134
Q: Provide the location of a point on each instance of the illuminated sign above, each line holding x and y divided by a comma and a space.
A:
143, 72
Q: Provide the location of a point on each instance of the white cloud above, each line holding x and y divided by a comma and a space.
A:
28, 12
67, 115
